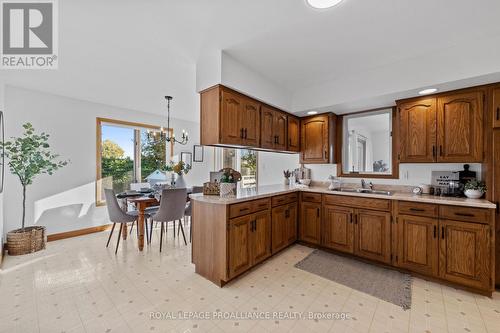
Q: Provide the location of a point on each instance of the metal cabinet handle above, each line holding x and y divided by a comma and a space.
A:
241, 133
440, 150
433, 151
326, 154
243, 210
417, 210
317, 212
465, 214
498, 113
442, 232
435, 231
246, 130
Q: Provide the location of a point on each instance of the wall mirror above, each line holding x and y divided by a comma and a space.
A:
368, 144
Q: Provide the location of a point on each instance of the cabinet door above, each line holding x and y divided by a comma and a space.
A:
496, 107
373, 235
464, 253
338, 228
261, 236
278, 222
418, 244
231, 110
291, 223
280, 130
496, 197
293, 134
314, 140
310, 222
239, 245
250, 122
418, 131
460, 127
266, 128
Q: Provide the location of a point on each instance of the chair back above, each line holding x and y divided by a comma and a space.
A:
189, 208
172, 205
116, 214
197, 189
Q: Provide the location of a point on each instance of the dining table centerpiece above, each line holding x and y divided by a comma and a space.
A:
29, 156
180, 168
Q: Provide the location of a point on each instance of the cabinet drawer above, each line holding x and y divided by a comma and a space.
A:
311, 197
418, 209
356, 202
467, 214
284, 199
248, 207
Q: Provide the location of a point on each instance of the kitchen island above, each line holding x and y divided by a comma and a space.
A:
447, 239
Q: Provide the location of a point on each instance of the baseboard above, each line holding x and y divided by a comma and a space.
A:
76, 233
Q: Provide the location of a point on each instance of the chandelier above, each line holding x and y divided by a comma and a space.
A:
165, 133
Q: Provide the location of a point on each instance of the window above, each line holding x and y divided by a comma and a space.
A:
244, 161
127, 153
368, 145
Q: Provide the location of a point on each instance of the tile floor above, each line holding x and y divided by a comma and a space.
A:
77, 285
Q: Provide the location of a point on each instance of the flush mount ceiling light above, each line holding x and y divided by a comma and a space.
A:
427, 91
323, 4
312, 112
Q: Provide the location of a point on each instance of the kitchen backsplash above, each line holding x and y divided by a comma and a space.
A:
409, 174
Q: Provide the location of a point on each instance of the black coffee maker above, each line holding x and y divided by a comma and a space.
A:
463, 177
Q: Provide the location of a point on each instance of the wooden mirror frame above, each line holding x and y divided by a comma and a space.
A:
395, 147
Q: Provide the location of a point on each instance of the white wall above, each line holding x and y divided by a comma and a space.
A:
239, 77
65, 201
409, 174
271, 166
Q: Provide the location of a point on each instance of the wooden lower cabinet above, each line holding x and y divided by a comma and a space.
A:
338, 228
464, 253
249, 241
310, 222
417, 239
261, 237
372, 235
284, 226
239, 244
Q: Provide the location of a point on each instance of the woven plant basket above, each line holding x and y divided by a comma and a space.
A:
24, 241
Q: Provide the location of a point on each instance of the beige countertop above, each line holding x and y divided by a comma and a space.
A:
272, 190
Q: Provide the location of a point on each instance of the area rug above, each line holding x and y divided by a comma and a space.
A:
386, 284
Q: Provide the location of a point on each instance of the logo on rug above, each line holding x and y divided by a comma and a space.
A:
29, 34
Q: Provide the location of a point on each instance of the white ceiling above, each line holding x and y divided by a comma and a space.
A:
131, 53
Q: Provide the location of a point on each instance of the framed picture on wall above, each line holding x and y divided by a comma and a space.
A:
187, 158
2, 159
198, 153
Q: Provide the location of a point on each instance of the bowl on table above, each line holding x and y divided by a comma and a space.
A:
306, 182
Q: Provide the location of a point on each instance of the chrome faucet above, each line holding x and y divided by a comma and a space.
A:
366, 186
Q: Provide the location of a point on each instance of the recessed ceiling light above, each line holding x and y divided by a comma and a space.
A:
427, 91
322, 4
312, 112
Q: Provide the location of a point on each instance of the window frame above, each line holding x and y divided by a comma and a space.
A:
119, 123
394, 150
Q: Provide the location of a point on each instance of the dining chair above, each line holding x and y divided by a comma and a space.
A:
172, 206
117, 215
189, 209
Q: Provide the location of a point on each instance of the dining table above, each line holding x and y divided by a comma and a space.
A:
141, 200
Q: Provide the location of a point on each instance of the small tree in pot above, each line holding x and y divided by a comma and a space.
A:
29, 156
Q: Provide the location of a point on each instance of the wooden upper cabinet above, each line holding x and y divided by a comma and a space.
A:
418, 244
231, 118
273, 128
496, 107
310, 222
418, 131
464, 255
250, 122
372, 237
266, 127
293, 134
460, 127
316, 136
280, 130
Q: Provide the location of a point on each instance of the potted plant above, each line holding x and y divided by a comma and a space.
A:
29, 156
474, 189
181, 169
